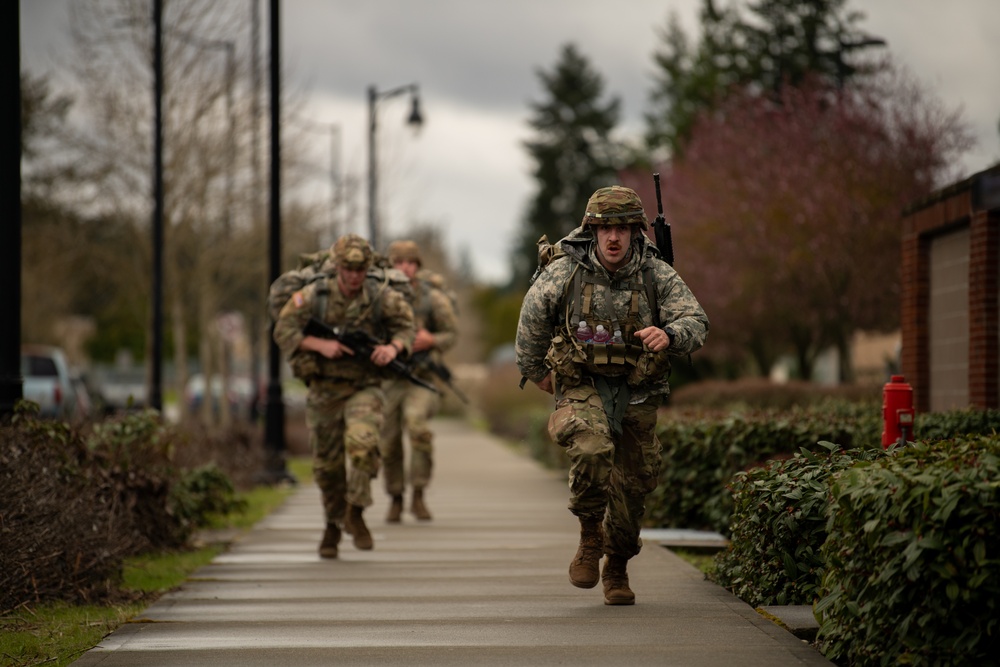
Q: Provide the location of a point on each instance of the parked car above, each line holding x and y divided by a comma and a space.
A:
47, 381
122, 388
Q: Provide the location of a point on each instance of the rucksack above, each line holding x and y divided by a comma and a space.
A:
310, 269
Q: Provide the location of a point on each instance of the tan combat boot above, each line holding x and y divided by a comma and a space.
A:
359, 531
395, 514
417, 506
331, 538
615, 580
584, 571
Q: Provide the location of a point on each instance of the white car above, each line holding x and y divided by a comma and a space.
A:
47, 382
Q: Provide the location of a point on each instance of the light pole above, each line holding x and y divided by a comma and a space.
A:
415, 119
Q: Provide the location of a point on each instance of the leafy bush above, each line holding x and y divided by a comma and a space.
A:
913, 573
779, 526
703, 450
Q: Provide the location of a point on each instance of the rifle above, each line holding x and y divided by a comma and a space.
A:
423, 359
664, 243
363, 344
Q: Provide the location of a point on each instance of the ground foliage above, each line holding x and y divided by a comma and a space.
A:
78, 500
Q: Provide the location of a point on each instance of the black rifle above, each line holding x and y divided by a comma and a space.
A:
664, 243
363, 344
423, 359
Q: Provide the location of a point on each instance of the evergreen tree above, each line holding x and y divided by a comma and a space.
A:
772, 43
572, 151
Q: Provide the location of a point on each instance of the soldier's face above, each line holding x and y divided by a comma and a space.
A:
350, 280
407, 266
613, 242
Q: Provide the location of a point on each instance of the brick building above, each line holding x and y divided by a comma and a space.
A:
951, 295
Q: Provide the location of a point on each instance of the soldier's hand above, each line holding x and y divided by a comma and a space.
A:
545, 384
423, 341
329, 348
654, 338
383, 354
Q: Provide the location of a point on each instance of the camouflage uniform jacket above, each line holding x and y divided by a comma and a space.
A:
432, 310
378, 310
548, 308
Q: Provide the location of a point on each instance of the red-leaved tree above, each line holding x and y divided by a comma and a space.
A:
786, 212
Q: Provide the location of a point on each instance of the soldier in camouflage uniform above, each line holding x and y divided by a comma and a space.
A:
345, 402
606, 272
409, 407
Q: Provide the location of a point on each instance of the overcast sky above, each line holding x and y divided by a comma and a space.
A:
476, 65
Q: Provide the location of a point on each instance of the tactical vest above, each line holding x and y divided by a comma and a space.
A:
308, 365
608, 359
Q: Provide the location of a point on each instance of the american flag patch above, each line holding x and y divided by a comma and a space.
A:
298, 299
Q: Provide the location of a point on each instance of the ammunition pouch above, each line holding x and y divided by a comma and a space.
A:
563, 358
304, 365
650, 365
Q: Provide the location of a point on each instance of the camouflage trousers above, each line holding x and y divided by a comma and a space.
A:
609, 477
408, 409
344, 424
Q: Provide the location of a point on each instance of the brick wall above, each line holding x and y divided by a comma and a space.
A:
949, 209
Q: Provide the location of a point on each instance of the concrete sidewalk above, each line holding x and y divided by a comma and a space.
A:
484, 583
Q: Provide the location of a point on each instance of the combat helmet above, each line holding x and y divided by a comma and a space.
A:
615, 205
404, 250
352, 252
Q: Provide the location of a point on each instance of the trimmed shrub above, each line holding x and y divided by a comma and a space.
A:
703, 450
913, 558
778, 527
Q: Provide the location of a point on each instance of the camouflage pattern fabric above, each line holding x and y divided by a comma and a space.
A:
344, 424
407, 407
615, 205
394, 321
609, 475
410, 407
546, 313
609, 479
344, 409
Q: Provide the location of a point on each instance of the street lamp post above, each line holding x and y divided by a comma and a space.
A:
415, 119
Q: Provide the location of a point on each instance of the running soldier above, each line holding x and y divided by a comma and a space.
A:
597, 329
345, 404
410, 407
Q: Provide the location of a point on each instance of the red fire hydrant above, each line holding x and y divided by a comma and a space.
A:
897, 411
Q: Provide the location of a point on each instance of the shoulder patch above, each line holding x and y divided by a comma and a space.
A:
298, 299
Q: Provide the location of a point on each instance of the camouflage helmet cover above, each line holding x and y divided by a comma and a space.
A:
352, 252
404, 250
615, 205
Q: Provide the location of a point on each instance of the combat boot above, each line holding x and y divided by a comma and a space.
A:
584, 571
417, 506
395, 514
615, 580
331, 538
359, 531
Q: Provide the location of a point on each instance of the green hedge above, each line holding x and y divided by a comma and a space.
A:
779, 526
912, 572
703, 450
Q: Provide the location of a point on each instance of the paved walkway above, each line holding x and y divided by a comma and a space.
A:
484, 583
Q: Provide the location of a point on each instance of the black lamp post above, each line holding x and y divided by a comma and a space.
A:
415, 119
